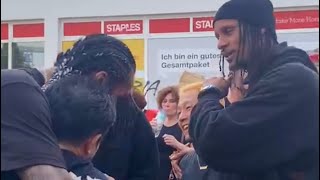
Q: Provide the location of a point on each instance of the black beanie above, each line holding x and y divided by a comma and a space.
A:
254, 12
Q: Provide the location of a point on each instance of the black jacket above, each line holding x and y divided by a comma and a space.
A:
190, 167
129, 153
273, 133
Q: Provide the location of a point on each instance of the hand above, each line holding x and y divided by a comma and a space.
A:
153, 123
176, 169
172, 141
178, 155
237, 88
220, 83
235, 95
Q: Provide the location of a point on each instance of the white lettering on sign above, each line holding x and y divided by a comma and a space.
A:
296, 20
282, 21
204, 24
123, 27
299, 19
312, 19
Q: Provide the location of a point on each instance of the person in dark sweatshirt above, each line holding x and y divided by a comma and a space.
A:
29, 149
273, 133
82, 113
129, 151
131, 143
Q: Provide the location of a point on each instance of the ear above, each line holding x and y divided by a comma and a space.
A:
101, 77
92, 145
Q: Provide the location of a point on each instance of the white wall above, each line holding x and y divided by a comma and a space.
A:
51, 11
40, 9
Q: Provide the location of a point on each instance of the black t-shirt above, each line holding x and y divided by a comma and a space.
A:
165, 151
26, 135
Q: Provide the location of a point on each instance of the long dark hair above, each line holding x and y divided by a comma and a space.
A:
258, 45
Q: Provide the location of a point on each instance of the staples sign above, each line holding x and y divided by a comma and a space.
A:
202, 24
123, 27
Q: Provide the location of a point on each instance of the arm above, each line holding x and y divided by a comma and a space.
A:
44, 172
263, 130
144, 163
173, 142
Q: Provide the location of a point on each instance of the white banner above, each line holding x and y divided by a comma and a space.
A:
195, 60
169, 58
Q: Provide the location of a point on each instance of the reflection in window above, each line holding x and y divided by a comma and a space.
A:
28, 54
4, 55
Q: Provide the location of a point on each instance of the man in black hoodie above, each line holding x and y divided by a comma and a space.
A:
129, 151
273, 133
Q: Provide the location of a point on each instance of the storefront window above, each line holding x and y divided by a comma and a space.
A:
28, 54
4, 55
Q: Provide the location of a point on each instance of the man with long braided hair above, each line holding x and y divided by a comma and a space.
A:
273, 132
104, 58
129, 151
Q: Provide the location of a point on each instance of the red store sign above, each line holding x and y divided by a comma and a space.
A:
284, 20
202, 24
123, 27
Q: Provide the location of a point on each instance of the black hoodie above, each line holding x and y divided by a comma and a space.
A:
273, 133
129, 151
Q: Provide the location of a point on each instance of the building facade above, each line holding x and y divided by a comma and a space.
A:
165, 37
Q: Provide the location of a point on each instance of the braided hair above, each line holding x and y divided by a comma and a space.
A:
221, 66
94, 53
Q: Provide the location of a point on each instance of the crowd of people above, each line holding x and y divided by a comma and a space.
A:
81, 119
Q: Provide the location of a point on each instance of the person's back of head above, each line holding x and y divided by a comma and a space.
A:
102, 58
82, 113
